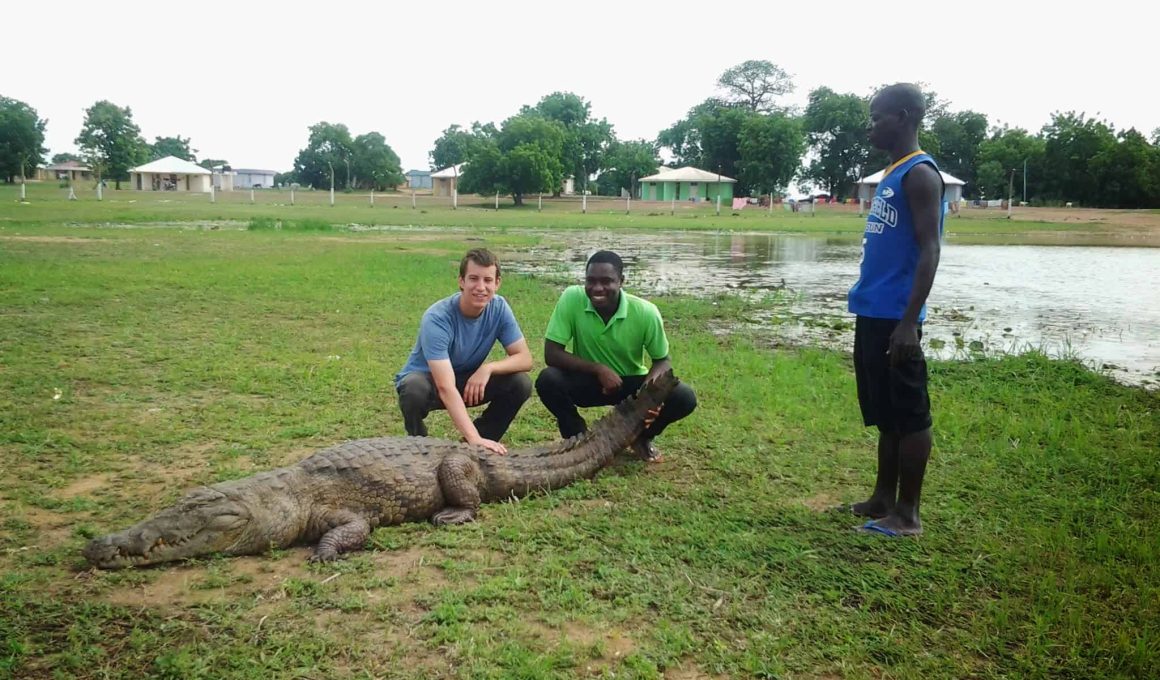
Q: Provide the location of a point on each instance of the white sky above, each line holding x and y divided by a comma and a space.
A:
245, 79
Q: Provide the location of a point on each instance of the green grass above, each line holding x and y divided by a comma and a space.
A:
135, 363
47, 205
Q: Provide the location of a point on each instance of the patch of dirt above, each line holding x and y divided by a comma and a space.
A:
821, 502
83, 486
689, 672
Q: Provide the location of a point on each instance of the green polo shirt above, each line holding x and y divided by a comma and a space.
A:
635, 329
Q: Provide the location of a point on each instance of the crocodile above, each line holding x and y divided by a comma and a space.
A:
336, 497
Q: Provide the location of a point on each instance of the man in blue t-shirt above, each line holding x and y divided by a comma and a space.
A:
448, 369
900, 254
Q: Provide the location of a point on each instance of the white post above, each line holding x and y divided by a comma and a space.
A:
718, 200
212, 193
540, 204
771, 203
584, 203
22, 194
412, 199
291, 195
372, 196
628, 203
332, 195
72, 195
100, 196
251, 195
673, 207
455, 199
497, 200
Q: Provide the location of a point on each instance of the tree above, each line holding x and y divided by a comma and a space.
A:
65, 157
627, 163
1007, 149
328, 150
21, 139
683, 138
586, 141
211, 163
754, 84
835, 125
173, 146
1128, 172
110, 141
456, 144
960, 136
721, 132
374, 163
523, 157
1071, 141
771, 152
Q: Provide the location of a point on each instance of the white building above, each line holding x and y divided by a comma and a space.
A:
247, 178
952, 188
170, 174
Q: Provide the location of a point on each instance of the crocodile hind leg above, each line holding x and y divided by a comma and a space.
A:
347, 532
458, 479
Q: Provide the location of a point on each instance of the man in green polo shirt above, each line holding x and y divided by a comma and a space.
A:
610, 332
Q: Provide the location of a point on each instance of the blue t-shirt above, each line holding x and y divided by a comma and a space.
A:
889, 248
445, 333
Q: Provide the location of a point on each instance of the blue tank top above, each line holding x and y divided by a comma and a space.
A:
889, 248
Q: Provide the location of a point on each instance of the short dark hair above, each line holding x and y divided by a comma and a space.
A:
606, 257
904, 96
480, 256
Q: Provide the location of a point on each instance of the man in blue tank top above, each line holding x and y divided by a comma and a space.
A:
448, 366
900, 254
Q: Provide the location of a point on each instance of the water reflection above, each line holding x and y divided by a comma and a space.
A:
1099, 303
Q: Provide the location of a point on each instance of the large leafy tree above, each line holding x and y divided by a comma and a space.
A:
326, 160
1129, 172
457, 144
111, 142
374, 163
755, 84
835, 125
586, 141
1009, 149
65, 157
173, 146
627, 163
21, 139
1071, 141
771, 152
523, 157
960, 136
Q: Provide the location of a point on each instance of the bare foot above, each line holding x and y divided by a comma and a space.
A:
874, 509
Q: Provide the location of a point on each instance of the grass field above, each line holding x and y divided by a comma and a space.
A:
48, 205
135, 363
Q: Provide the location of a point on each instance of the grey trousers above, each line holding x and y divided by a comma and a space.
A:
504, 396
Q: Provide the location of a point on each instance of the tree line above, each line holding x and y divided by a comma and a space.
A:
744, 132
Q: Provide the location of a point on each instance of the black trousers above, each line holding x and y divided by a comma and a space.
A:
504, 396
562, 391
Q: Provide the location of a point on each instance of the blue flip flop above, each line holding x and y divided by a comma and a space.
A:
872, 527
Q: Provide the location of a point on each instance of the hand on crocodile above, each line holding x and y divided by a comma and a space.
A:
652, 414
494, 447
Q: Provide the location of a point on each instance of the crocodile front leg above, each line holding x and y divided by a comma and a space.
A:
348, 532
458, 480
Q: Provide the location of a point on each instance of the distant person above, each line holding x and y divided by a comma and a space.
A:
447, 368
900, 255
610, 332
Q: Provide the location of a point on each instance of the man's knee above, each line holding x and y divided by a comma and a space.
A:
682, 401
415, 393
550, 381
516, 387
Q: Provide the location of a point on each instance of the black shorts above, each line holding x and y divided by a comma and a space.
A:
894, 398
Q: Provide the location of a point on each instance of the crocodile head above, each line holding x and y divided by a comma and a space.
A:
205, 521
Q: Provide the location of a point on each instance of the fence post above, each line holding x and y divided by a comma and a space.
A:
372, 196
412, 199
251, 195
584, 203
540, 204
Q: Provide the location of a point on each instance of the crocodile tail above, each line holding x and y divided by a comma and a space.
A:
624, 423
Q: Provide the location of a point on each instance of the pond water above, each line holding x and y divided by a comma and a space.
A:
1099, 304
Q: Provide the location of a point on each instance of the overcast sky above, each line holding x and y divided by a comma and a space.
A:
245, 80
